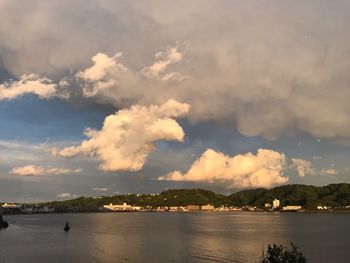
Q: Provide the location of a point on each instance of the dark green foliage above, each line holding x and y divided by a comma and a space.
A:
174, 197
248, 197
280, 254
183, 197
334, 195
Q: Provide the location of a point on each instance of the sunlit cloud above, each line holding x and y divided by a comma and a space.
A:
265, 169
128, 136
329, 171
32, 170
103, 74
303, 167
32, 84
163, 60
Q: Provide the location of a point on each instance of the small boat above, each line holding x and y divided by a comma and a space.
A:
66, 227
3, 224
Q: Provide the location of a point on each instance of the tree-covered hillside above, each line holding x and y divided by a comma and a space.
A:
173, 197
334, 195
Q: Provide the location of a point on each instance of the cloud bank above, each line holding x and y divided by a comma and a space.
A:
32, 170
129, 135
274, 67
264, 169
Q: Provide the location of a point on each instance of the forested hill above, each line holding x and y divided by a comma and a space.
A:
335, 195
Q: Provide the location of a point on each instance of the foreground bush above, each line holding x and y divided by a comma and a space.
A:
280, 254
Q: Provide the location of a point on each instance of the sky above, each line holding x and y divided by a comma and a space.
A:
102, 97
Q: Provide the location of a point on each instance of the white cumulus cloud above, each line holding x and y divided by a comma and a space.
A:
264, 169
129, 135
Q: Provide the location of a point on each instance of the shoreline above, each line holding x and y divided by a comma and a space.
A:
186, 212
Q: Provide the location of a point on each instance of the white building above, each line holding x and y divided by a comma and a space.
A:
292, 208
174, 208
207, 207
322, 207
276, 203
123, 207
6, 205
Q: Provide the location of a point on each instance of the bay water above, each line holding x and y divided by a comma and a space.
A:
173, 237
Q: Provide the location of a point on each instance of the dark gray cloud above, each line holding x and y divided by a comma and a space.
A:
267, 66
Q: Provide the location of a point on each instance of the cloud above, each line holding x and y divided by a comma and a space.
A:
67, 195
265, 169
303, 167
163, 60
102, 75
17, 145
110, 81
100, 189
328, 171
273, 73
32, 170
51, 38
129, 135
31, 84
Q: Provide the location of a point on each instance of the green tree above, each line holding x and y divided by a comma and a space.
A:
281, 254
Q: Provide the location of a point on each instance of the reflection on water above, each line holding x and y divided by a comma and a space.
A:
172, 237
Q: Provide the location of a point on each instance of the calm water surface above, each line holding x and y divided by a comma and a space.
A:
172, 237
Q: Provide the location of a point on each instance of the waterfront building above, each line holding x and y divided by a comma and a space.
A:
123, 207
322, 207
222, 209
292, 208
250, 208
234, 208
9, 206
193, 207
276, 203
207, 207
